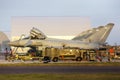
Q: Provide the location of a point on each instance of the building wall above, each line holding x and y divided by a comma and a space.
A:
3, 41
51, 26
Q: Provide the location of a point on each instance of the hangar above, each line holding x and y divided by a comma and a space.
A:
3, 42
53, 26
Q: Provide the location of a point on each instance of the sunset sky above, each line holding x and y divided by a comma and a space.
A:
100, 12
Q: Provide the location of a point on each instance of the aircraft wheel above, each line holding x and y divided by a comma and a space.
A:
55, 59
47, 59
78, 59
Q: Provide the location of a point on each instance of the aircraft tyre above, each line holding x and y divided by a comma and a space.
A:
55, 59
47, 59
78, 59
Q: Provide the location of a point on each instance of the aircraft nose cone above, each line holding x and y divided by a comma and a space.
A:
14, 43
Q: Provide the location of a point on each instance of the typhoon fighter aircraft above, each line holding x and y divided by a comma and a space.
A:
90, 39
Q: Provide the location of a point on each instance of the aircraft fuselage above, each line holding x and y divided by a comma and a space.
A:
54, 43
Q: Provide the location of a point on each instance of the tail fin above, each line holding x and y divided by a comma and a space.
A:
96, 35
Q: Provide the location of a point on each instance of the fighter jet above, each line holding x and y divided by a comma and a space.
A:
90, 39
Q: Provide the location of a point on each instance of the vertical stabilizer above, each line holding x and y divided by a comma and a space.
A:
96, 35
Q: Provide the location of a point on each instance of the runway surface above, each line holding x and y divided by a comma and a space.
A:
59, 69
54, 69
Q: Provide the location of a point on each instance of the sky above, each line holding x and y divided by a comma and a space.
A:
100, 12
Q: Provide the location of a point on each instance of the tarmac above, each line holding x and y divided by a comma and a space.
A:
55, 69
58, 69
3, 61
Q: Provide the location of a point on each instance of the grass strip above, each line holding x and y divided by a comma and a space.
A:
63, 64
75, 76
